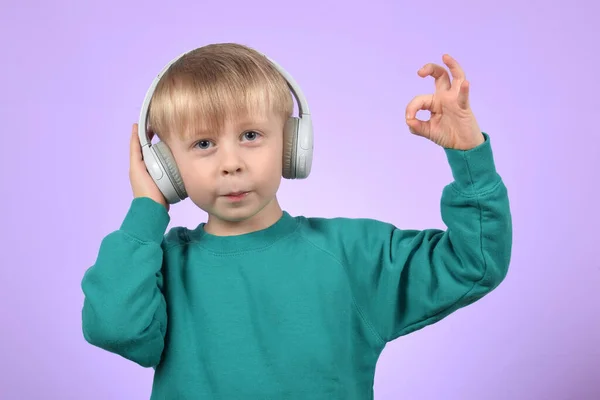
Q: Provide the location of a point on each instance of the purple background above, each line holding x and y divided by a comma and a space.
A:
74, 74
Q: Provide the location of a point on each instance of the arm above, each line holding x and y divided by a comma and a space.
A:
409, 279
124, 310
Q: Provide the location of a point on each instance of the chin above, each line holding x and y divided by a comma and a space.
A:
238, 215
254, 207
234, 214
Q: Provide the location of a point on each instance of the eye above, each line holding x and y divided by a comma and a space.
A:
203, 144
251, 135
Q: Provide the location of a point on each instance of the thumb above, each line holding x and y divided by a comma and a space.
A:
135, 150
418, 127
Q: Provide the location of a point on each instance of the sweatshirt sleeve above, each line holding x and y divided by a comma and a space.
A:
408, 279
124, 310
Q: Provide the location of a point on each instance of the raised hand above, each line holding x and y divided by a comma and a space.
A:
142, 184
452, 124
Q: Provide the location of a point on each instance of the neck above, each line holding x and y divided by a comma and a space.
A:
263, 219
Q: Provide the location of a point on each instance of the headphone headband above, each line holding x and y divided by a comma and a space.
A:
303, 109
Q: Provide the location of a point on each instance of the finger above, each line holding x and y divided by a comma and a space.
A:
439, 73
456, 70
422, 102
418, 127
135, 150
463, 95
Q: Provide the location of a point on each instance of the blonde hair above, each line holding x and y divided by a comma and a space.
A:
212, 84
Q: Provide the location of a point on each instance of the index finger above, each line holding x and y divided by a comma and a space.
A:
418, 103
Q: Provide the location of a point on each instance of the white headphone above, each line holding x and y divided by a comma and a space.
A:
297, 151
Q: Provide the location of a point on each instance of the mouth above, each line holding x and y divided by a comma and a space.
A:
236, 196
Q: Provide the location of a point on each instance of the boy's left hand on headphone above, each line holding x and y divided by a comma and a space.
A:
452, 124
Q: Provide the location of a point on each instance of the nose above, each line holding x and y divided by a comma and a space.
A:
231, 162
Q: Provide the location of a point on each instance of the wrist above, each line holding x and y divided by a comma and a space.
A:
161, 201
477, 139
146, 220
474, 170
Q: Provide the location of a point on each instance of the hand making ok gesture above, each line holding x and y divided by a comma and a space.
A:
452, 124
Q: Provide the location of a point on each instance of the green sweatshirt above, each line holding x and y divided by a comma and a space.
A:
300, 310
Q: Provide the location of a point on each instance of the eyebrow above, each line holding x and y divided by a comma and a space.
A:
193, 134
241, 125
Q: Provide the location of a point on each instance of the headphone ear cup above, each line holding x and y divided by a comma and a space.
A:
166, 158
290, 141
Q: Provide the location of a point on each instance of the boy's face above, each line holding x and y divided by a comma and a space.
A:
234, 174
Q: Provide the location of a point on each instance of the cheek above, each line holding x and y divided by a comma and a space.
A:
270, 171
195, 176
270, 161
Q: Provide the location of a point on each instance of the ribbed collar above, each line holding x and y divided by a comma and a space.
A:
246, 242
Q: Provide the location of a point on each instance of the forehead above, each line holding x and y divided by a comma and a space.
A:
189, 110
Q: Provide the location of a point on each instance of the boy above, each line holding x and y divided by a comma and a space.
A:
256, 303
